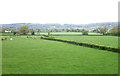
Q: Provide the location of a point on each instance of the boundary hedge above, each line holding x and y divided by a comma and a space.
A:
101, 47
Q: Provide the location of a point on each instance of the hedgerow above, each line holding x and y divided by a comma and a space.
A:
96, 46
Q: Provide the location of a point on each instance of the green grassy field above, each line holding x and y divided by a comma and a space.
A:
27, 56
101, 40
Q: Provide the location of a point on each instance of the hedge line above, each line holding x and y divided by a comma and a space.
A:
101, 47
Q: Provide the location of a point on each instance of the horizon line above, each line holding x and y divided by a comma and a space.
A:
59, 23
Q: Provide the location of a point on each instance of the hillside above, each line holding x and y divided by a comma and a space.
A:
61, 26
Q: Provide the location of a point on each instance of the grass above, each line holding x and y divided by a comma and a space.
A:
101, 40
27, 56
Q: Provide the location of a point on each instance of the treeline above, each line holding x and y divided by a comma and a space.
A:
24, 30
105, 31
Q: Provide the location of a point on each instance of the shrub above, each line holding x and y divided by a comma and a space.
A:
33, 33
85, 33
14, 33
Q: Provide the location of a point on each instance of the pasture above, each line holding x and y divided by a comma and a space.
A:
24, 55
100, 40
67, 33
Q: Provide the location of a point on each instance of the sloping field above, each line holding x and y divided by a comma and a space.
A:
101, 40
28, 56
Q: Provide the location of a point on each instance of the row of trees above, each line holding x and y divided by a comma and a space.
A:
103, 30
24, 30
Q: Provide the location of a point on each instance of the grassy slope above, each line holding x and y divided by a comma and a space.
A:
27, 56
101, 40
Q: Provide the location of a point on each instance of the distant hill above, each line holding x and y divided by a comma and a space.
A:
62, 26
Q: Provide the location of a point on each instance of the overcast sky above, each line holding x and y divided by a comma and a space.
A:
58, 11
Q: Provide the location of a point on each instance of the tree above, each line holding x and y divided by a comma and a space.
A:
39, 31
95, 30
56, 30
48, 33
32, 32
82, 30
115, 31
63, 30
67, 30
24, 30
51, 30
17, 33
14, 32
78, 30
85, 32
102, 30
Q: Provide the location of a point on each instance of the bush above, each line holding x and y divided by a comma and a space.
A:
14, 33
33, 33
85, 33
